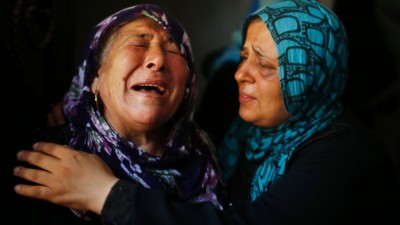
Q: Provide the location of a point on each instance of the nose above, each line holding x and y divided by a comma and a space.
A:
155, 58
243, 73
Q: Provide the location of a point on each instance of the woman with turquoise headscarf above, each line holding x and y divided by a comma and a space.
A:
293, 155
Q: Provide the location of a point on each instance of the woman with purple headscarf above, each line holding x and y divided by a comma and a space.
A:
131, 104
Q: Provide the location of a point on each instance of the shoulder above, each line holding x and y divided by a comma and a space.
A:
351, 163
348, 151
347, 137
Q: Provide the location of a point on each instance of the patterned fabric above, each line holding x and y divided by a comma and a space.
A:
312, 58
187, 169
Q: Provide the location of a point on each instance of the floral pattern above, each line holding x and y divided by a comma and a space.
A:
188, 169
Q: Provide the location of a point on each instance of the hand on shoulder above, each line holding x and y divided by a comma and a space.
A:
64, 176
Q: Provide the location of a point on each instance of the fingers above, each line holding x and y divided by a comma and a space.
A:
37, 176
40, 189
52, 149
39, 159
65, 176
33, 191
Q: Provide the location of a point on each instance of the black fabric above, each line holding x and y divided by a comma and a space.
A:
46, 213
340, 178
130, 203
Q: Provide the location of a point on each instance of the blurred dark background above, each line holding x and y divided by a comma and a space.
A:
41, 43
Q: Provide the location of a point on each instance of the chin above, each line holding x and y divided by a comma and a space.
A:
247, 116
250, 117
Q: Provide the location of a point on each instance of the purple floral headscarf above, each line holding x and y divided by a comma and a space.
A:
188, 168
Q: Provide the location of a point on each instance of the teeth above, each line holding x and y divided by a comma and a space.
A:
160, 89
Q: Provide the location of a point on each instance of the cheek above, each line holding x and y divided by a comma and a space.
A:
271, 96
181, 79
180, 82
108, 85
109, 74
272, 109
118, 68
111, 84
179, 73
126, 60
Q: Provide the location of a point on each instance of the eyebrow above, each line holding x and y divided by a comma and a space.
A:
259, 52
143, 35
147, 36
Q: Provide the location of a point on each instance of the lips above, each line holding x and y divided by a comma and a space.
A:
150, 87
244, 98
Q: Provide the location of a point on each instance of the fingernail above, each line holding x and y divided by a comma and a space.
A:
19, 154
16, 170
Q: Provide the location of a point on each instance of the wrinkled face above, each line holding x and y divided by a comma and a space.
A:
260, 95
141, 80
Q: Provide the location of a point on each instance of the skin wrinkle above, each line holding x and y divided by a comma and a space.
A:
159, 54
141, 120
260, 95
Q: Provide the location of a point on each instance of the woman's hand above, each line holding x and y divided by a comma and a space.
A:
65, 176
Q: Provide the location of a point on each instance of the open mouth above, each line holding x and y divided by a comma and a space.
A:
149, 88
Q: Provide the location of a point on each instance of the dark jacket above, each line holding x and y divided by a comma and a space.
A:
343, 175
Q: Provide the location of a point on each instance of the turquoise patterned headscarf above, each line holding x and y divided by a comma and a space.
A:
188, 169
312, 58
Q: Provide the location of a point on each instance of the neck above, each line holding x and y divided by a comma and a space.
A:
152, 142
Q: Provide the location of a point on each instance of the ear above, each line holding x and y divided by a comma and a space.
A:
95, 85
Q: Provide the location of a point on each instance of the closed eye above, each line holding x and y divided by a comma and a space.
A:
170, 47
173, 52
140, 45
